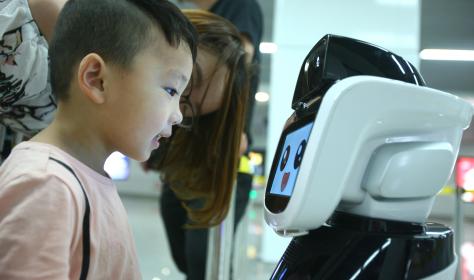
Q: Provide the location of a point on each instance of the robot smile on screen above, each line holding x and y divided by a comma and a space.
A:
358, 166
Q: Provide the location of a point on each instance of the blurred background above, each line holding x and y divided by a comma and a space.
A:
291, 27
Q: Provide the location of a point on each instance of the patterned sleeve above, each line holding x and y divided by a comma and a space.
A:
26, 101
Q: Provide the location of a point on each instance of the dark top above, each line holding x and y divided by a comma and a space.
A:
247, 16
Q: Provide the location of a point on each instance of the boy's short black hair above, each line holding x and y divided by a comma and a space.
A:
115, 29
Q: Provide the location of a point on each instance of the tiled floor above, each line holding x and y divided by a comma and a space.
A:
152, 247
153, 251
156, 263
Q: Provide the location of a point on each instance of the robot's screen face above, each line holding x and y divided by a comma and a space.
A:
287, 163
290, 161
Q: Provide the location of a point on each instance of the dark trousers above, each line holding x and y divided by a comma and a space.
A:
189, 246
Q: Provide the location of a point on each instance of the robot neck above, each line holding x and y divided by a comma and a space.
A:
373, 225
402, 210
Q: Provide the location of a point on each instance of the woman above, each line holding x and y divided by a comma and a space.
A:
199, 165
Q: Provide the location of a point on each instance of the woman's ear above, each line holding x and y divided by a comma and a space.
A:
90, 77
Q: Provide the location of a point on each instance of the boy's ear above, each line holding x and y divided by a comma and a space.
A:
91, 76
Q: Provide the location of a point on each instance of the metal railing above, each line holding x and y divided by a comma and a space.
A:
219, 246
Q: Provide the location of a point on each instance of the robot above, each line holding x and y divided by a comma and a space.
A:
358, 166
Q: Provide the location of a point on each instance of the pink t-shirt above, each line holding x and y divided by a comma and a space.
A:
41, 214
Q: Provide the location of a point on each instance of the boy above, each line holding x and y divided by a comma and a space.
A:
118, 68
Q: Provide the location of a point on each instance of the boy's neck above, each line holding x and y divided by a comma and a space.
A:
77, 140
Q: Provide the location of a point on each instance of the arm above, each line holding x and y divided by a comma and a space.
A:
249, 53
45, 13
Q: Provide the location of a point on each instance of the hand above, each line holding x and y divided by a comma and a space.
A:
244, 144
144, 166
248, 47
290, 120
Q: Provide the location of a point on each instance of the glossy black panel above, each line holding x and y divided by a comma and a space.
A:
354, 250
335, 58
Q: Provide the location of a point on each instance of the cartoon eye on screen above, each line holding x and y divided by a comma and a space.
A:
285, 157
299, 154
293, 150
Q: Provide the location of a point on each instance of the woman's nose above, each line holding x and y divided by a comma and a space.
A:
177, 117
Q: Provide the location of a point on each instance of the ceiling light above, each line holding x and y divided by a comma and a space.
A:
268, 47
407, 3
445, 54
262, 96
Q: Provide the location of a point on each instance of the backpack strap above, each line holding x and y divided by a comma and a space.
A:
85, 225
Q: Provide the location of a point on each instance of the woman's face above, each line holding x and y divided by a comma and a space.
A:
208, 84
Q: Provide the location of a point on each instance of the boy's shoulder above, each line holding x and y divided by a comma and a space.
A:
30, 180
32, 161
25, 158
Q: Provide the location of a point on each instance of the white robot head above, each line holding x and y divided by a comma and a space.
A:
366, 145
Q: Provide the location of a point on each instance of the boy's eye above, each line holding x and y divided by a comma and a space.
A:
171, 91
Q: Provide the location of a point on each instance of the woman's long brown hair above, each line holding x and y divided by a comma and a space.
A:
201, 164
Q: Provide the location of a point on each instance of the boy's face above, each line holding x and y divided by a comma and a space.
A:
144, 100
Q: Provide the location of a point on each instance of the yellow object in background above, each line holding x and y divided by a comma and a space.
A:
447, 190
467, 195
245, 166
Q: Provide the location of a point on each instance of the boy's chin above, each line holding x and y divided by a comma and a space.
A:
140, 157
141, 154
143, 158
